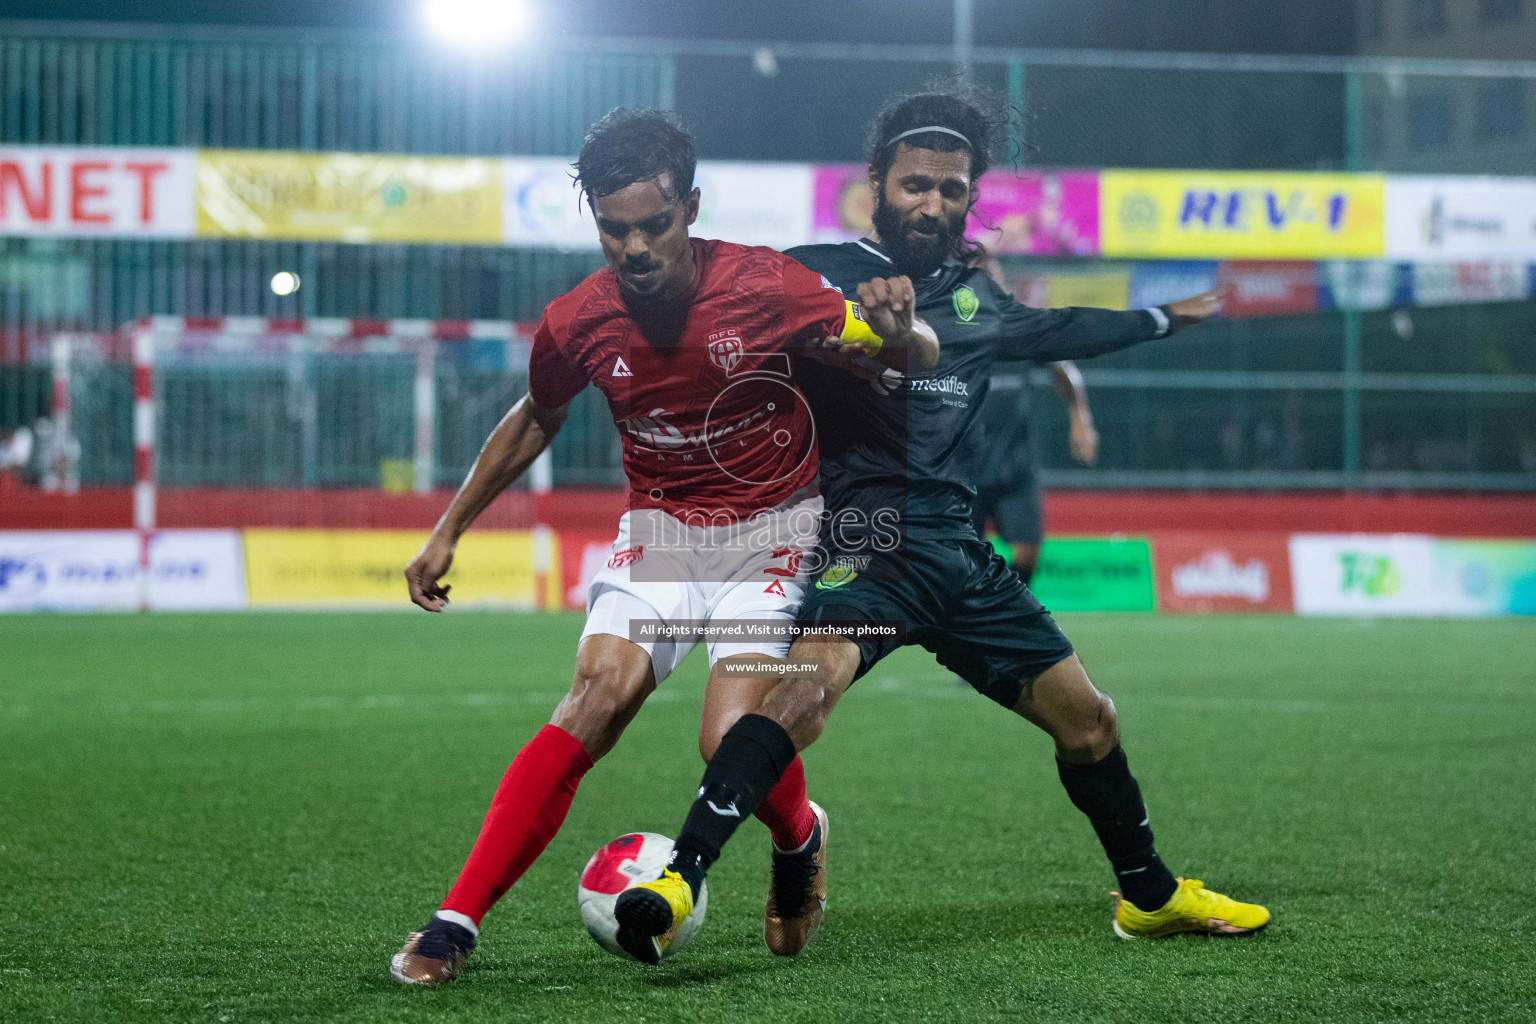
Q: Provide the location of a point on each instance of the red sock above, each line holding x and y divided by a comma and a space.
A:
526, 812
787, 811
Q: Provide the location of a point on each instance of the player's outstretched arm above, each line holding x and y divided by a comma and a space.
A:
521, 436
1082, 332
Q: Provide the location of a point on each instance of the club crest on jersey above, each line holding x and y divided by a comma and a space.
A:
966, 304
629, 556
837, 576
726, 350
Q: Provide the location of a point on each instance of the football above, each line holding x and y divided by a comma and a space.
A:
629, 860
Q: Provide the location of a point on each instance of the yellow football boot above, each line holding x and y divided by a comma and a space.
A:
650, 914
1192, 908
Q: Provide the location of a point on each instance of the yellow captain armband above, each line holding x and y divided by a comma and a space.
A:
857, 330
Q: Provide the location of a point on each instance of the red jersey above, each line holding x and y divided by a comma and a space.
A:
703, 394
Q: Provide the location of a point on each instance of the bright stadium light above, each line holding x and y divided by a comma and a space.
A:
478, 23
285, 282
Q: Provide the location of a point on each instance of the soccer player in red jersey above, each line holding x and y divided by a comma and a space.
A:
694, 343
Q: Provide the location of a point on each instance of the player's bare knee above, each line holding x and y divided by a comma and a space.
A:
711, 733
1106, 732
801, 705
1091, 735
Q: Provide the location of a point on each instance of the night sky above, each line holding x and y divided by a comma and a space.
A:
1233, 26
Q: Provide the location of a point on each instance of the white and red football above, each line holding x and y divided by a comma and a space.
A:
629, 860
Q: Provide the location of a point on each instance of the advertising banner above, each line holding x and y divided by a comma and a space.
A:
1486, 577
1364, 285
1105, 289
98, 570
365, 568
348, 197
1155, 283
1024, 213
541, 206
143, 193
1215, 571
1363, 574
1091, 574
1237, 215
1269, 287
750, 203
754, 203
1059, 287
1443, 284
1448, 218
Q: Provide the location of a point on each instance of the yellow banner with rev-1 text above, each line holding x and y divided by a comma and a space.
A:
348, 197
366, 568
1241, 215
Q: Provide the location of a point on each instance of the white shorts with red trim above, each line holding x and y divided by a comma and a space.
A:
666, 578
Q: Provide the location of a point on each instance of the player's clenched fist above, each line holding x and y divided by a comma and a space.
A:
425, 570
890, 305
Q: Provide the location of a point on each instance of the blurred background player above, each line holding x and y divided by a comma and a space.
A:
896, 448
1003, 459
1007, 480
691, 342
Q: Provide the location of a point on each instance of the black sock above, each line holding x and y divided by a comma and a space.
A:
752, 757
1107, 792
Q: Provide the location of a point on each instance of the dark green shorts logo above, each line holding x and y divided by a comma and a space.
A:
966, 304
837, 576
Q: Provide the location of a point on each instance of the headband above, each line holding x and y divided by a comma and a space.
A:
932, 128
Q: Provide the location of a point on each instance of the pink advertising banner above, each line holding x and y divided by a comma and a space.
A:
1037, 213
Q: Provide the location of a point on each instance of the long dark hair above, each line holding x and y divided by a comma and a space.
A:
980, 114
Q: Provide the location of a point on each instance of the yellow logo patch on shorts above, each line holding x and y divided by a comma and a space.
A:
836, 576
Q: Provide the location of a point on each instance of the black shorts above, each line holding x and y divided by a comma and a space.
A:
956, 598
1014, 507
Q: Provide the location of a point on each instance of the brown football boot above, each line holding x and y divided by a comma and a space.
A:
797, 894
434, 955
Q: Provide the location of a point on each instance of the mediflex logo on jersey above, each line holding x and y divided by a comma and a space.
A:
950, 385
966, 304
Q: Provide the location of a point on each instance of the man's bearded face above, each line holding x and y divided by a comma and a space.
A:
922, 207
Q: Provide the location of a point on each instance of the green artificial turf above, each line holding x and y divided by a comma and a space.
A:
238, 818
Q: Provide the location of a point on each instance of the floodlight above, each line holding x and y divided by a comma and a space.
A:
478, 23
285, 282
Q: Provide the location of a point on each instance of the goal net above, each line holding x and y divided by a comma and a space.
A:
299, 433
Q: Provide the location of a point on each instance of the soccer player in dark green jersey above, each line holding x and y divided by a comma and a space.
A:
900, 547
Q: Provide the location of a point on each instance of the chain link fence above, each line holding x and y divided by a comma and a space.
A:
1437, 398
